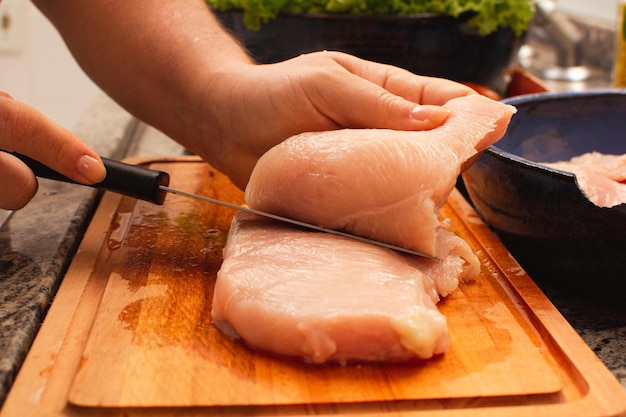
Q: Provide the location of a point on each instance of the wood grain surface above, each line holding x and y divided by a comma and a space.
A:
130, 332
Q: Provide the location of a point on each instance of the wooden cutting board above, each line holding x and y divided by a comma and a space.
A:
130, 332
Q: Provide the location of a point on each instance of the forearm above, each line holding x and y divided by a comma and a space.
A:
173, 66
154, 57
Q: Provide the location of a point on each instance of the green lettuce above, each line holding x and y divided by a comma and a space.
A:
486, 16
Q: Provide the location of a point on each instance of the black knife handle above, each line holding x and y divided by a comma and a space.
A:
131, 180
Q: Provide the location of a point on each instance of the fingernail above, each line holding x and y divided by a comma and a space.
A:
434, 114
91, 169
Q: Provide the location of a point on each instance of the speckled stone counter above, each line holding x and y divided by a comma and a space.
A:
601, 325
35, 247
38, 242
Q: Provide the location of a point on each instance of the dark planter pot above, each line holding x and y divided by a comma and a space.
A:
426, 44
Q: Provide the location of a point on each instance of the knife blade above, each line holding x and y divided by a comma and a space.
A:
153, 185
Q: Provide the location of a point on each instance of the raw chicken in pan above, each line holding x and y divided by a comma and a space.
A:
601, 177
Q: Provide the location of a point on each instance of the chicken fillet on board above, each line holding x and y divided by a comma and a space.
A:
326, 298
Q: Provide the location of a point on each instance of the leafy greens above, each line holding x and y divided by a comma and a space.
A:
487, 16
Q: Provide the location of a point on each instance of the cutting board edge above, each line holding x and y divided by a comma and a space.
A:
584, 368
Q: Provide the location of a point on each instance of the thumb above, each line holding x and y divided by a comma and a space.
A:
17, 183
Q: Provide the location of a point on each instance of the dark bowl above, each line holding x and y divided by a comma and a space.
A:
540, 213
426, 44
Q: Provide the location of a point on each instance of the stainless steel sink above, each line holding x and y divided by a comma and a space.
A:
569, 52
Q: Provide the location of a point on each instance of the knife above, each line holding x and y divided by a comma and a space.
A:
153, 185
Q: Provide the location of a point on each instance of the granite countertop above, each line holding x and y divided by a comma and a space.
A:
38, 242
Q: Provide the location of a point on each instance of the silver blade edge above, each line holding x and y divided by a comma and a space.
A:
296, 222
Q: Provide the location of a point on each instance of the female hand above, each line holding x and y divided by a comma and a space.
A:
26, 131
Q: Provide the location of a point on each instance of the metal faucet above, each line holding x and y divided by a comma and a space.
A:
566, 38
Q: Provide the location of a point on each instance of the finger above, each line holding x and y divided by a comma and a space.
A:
372, 106
415, 88
18, 184
24, 130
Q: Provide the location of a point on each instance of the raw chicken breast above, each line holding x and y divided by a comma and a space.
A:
601, 177
322, 297
382, 184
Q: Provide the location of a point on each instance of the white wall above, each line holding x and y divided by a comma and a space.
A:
41, 71
598, 9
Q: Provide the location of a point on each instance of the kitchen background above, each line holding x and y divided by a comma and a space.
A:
36, 66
